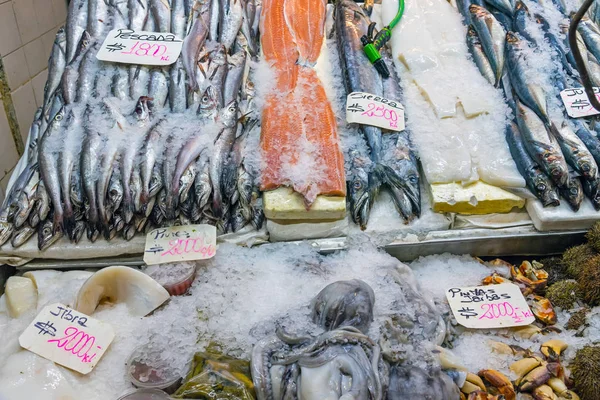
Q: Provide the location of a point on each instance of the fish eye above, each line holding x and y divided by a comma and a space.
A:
541, 187
413, 179
58, 117
574, 191
357, 185
86, 42
205, 99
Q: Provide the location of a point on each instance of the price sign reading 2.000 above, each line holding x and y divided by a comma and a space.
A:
138, 47
67, 337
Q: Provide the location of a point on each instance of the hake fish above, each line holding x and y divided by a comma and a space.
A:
75, 25
56, 66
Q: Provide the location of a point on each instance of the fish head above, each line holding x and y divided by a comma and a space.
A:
520, 7
61, 36
47, 235
78, 231
59, 119
228, 114
546, 192
512, 38
573, 193
142, 108
208, 103
22, 236
84, 43
478, 11
472, 35
358, 190
6, 230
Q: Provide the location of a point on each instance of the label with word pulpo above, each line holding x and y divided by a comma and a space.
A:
578, 103
138, 47
67, 337
369, 109
493, 306
180, 243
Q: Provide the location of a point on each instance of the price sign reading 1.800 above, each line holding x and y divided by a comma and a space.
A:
145, 48
67, 337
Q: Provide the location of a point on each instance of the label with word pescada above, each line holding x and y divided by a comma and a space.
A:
67, 337
493, 306
139, 47
369, 109
578, 103
180, 243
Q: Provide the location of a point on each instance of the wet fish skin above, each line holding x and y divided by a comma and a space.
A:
591, 36
22, 235
49, 169
504, 6
159, 88
177, 88
217, 73
202, 184
531, 95
6, 228
41, 205
542, 146
479, 56
78, 231
233, 80
246, 30
26, 200
463, 8
231, 15
47, 235
56, 66
161, 11
66, 164
492, 36
138, 13
98, 18
87, 74
537, 182
75, 26
69, 82
149, 154
215, 18
193, 42
522, 18
178, 18
358, 190
90, 165
114, 196
573, 193
186, 182
576, 153
228, 118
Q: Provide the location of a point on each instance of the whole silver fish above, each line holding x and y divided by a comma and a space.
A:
26, 200
231, 16
159, 88
98, 18
235, 74
48, 163
178, 18
161, 11
177, 88
479, 56
138, 13
69, 83
22, 235
56, 66
492, 36
533, 96
576, 153
47, 236
88, 70
194, 42
542, 146
218, 72
75, 25
228, 118
66, 165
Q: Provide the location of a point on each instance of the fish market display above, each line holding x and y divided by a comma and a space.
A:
555, 154
455, 116
300, 144
117, 149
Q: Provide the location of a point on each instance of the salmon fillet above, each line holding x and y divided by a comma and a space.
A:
299, 139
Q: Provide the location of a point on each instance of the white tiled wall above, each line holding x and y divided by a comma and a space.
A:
27, 30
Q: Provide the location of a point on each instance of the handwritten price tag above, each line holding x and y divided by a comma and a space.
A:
180, 243
369, 109
577, 102
67, 337
494, 306
138, 47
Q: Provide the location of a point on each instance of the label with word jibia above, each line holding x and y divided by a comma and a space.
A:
138, 47
67, 337
369, 109
180, 243
578, 103
493, 306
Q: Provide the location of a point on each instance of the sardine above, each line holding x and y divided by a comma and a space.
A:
21, 236
542, 146
48, 163
479, 56
533, 96
231, 15
576, 153
492, 36
463, 8
505, 6
522, 20
537, 182
591, 36
75, 26
193, 42
555, 44
56, 66
120, 83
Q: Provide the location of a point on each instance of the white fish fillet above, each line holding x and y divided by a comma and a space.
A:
456, 117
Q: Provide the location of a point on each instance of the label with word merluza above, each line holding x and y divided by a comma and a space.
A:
180, 243
578, 103
369, 109
139, 47
493, 306
67, 337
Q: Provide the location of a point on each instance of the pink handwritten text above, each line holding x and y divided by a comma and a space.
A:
77, 342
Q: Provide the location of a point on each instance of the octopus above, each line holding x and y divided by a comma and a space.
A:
344, 363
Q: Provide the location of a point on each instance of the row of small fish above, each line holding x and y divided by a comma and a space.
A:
108, 152
556, 157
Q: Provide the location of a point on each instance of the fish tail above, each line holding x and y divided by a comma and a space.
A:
58, 222
69, 221
217, 204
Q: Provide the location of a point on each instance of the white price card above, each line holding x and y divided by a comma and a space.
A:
578, 103
369, 109
139, 47
493, 306
67, 337
180, 243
